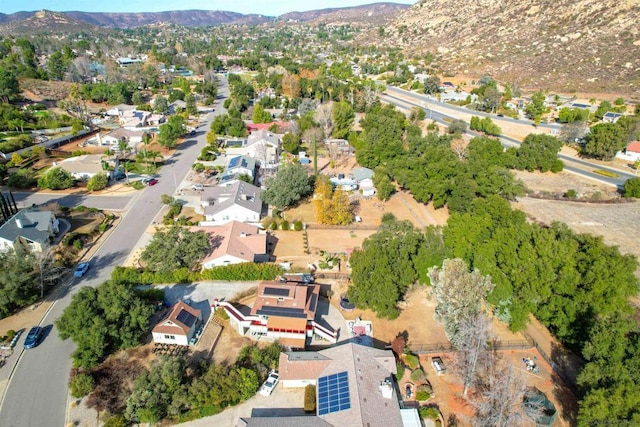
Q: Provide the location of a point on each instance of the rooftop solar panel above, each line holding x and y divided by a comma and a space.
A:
313, 302
282, 311
233, 162
333, 393
186, 318
278, 292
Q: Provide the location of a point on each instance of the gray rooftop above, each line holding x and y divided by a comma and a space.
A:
34, 226
299, 421
240, 193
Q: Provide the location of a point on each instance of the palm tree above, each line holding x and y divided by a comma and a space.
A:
154, 155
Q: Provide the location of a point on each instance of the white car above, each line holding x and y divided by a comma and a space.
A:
197, 187
269, 384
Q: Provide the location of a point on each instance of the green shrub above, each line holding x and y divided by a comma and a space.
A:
557, 166
56, 178
571, 194
297, 225
81, 208
418, 375
11, 334
429, 412
411, 361
21, 178
273, 225
632, 187
77, 243
199, 167
98, 182
81, 385
310, 398
425, 387
115, 421
103, 227
137, 185
222, 313
400, 370
284, 224
421, 396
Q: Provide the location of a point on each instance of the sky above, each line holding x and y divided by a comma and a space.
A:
264, 7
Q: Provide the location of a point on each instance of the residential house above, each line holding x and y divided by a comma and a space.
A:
631, 153
131, 137
176, 106
136, 119
354, 384
361, 174
179, 327
236, 167
283, 311
611, 117
262, 145
84, 167
233, 243
30, 229
238, 202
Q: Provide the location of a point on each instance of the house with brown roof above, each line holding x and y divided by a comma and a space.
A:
631, 152
233, 243
354, 386
283, 311
179, 327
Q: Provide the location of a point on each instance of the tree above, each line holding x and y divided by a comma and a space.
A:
18, 282
324, 118
384, 186
312, 136
539, 152
191, 106
458, 293
175, 248
75, 105
260, 115
535, 109
457, 126
56, 179
137, 98
98, 182
9, 86
573, 132
55, 66
171, 131
322, 199
432, 85
491, 99
291, 142
604, 140
160, 104
291, 85
417, 115
473, 352
384, 268
632, 188
287, 187
343, 116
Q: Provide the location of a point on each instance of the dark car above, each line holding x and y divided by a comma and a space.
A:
33, 337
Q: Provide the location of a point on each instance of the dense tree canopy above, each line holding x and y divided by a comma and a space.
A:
175, 248
171, 131
290, 184
19, 284
56, 178
604, 140
539, 152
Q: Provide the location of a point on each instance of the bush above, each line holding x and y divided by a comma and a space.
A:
21, 178
557, 166
77, 243
81, 385
632, 187
418, 375
310, 398
429, 412
571, 194
411, 361
103, 227
11, 334
198, 167
400, 370
222, 313
115, 421
297, 225
137, 185
273, 225
285, 225
56, 179
421, 396
98, 182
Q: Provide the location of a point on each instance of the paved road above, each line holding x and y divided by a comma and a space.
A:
37, 392
111, 203
572, 164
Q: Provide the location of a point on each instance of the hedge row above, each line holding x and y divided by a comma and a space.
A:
245, 271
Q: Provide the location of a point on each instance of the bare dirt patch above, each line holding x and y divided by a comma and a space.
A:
561, 182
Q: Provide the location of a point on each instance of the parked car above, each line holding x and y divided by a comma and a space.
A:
149, 181
197, 187
438, 365
269, 384
81, 269
33, 337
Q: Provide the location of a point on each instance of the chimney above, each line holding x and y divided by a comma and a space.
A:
386, 389
243, 234
19, 223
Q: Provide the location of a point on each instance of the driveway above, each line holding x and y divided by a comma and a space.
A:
282, 402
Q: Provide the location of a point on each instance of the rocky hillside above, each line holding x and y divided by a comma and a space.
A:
375, 14
188, 18
570, 45
42, 22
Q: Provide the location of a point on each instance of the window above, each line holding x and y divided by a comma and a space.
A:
169, 337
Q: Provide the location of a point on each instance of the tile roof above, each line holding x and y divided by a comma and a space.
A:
30, 225
633, 147
240, 193
179, 321
234, 238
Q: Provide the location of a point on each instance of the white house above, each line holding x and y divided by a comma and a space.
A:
30, 229
83, 167
131, 137
238, 202
262, 145
631, 153
611, 117
233, 243
179, 327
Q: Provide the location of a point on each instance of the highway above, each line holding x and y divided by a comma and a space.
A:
37, 391
571, 164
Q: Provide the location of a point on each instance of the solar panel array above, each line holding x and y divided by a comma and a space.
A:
333, 393
278, 292
282, 311
186, 318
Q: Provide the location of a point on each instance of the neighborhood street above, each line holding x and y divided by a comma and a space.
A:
109, 203
37, 391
